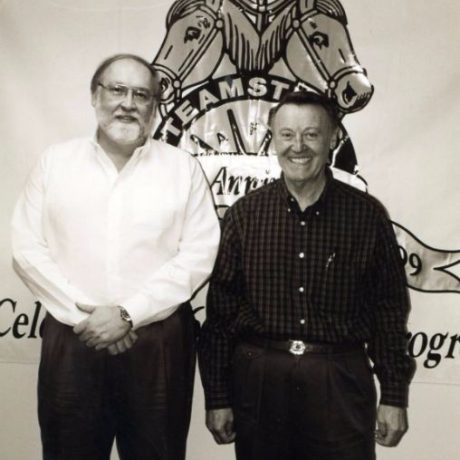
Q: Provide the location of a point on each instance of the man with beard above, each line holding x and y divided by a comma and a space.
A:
308, 284
113, 235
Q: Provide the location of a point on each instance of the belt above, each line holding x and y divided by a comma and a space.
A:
299, 347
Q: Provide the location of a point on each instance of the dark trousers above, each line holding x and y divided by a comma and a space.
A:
309, 407
142, 398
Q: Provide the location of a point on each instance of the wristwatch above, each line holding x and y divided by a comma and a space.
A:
124, 315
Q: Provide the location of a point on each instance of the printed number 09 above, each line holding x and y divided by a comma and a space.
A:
413, 260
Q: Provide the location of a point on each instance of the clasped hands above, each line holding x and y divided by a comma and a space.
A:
104, 328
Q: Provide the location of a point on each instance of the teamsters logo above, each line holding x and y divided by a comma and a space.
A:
224, 63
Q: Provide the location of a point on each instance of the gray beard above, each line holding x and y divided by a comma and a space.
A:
125, 133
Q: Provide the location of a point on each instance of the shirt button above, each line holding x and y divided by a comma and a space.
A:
302, 321
303, 223
317, 213
301, 255
288, 209
301, 289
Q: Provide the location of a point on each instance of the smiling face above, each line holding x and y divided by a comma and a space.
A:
303, 136
122, 120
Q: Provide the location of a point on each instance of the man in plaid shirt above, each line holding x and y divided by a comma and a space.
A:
308, 285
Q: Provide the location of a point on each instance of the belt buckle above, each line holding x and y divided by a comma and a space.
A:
297, 347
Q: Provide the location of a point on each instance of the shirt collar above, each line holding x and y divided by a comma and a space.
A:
319, 205
145, 147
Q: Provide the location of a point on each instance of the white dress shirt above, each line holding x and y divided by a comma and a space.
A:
145, 237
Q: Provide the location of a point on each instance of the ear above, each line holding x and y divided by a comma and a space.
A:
94, 98
306, 5
152, 118
334, 138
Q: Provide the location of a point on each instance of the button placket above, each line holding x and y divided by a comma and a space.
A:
113, 237
302, 261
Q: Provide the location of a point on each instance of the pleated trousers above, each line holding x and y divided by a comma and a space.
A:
141, 398
317, 406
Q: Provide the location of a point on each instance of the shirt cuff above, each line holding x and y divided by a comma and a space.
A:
142, 313
215, 401
394, 395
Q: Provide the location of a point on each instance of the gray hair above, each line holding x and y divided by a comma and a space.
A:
119, 57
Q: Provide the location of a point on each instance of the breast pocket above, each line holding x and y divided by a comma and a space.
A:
337, 286
152, 211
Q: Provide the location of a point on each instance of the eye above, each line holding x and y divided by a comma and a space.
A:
142, 95
204, 22
319, 39
192, 33
311, 136
286, 135
118, 90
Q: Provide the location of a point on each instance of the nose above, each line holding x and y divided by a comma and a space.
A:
298, 144
353, 92
128, 101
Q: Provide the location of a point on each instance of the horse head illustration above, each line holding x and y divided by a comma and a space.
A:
193, 31
309, 35
320, 45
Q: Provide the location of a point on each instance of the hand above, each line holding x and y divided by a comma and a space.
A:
102, 328
391, 425
220, 423
124, 344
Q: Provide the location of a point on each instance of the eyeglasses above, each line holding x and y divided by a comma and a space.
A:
118, 92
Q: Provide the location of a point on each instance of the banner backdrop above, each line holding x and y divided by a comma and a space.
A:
391, 67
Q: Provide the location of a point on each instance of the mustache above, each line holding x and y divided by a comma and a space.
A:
126, 114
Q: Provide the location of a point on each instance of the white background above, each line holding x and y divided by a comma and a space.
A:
406, 141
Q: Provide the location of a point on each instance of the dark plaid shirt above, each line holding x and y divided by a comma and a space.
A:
330, 274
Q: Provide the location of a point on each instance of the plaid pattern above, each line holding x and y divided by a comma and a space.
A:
329, 274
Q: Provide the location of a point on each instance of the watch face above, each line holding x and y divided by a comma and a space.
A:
125, 315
